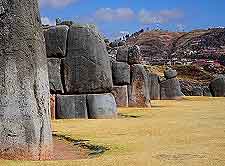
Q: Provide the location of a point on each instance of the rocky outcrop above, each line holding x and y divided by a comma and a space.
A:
25, 131
121, 95
217, 86
87, 64
138, 90
121, 73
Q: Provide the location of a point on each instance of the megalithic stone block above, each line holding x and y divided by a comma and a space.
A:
121, 73
55, 78
56, 41
25, 131
121, 95
154, 86
71, 107
87, 65
101, 106
170, 90
217, 86
138, 91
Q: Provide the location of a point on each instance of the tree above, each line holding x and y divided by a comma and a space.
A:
25, 131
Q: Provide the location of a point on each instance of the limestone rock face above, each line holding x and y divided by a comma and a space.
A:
197, 91
87, 65
71, 107
121, 73
134, 55
122, 54
101, 106
217, 87
25, 131
138, 90
121, 95
170, 73
54, 73
56, 39
154, 86
170, 89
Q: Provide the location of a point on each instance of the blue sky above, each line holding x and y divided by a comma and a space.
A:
114, 17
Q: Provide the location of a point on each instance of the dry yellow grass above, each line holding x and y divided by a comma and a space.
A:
190, 132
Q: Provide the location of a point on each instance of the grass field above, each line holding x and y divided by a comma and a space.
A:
190, 132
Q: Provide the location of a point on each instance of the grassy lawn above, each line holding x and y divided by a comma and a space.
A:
190, 132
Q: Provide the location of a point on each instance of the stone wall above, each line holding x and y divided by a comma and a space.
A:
80, 74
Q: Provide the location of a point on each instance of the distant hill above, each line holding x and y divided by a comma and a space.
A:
197, 44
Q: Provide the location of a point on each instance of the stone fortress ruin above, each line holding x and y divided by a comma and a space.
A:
84, 81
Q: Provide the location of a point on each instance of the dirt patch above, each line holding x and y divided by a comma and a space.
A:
65, 150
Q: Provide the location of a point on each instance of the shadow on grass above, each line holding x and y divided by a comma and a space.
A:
120, 115
94, 149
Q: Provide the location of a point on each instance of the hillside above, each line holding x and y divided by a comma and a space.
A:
197, 44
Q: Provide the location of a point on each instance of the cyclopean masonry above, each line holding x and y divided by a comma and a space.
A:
24, 88
79, 72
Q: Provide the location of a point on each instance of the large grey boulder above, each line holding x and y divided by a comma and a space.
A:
170, 89
217, 87
87, 65
197, 91
206, 91
25, 131
56, 40
120, 73
71, 107
138, 90
101, 106
154, 86
170, 73
54, 73
134, 55
122, 54
121, 95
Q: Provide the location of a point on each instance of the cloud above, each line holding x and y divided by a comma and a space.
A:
119, 14
160, 17
47, 21
56, 3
